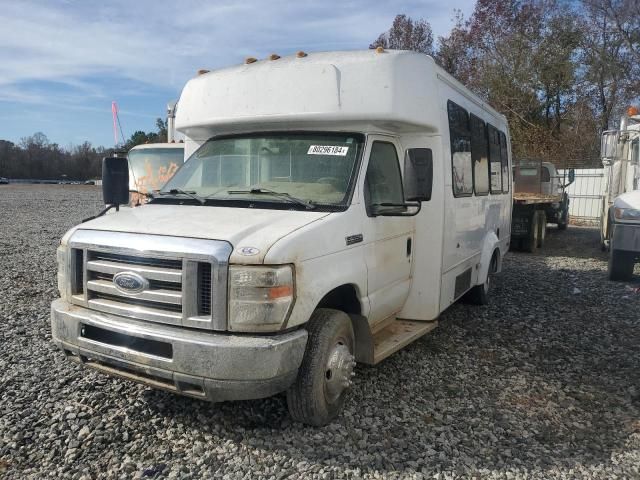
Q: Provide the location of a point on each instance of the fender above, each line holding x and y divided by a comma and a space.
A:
490, 244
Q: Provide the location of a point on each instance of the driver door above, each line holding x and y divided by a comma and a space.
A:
389, 247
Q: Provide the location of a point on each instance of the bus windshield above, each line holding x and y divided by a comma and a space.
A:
317, 168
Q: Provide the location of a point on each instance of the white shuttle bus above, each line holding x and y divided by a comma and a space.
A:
331, 207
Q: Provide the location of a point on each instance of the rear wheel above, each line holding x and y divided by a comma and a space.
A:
324, 378
621, 265
542, 227
479, 295
530, 243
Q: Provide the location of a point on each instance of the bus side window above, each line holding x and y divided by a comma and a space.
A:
495, 160
461, 166
504, 154
479, 156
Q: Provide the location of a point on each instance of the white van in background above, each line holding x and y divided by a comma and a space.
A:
331, 207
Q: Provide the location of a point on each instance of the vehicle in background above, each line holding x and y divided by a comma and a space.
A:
620, 213
4, 181
539, 198
90, 182
151, 165
332, 206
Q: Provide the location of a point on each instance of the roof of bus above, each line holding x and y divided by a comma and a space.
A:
392, 90
157, 145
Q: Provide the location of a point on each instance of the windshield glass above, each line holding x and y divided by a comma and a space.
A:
150, 168
314, 167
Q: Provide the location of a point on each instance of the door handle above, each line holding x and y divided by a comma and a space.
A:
409, 247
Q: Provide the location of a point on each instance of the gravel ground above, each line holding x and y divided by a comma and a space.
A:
543, 383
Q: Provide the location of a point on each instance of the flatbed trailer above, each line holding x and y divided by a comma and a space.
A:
539, 198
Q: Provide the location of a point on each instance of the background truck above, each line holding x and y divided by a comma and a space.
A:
151, 165
539, 197
620, 213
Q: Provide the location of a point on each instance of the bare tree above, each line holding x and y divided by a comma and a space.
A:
407, 34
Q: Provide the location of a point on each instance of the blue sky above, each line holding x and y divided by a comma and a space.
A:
62, 62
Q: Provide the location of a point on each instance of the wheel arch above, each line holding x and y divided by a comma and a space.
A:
346, 298
490, 248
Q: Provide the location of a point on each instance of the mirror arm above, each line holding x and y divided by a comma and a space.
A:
101, 213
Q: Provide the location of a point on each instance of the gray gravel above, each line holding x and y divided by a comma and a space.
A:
543, 383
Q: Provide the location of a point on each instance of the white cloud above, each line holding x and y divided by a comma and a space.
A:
163, 43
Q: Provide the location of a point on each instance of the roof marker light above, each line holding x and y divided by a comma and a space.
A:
274, 56
380, 50
301, 54
202, 71
250, 60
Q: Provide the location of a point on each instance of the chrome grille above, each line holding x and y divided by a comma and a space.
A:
184, 279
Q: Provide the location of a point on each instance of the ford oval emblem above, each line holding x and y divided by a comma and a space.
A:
130, 282
248, 251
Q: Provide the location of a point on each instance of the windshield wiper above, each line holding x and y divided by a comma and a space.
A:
188, 193
285, 195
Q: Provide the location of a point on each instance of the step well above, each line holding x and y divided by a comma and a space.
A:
398, 334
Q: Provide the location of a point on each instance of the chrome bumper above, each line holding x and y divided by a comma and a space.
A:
626, 237
196, 363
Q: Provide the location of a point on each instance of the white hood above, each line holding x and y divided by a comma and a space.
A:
242, 227
628, 200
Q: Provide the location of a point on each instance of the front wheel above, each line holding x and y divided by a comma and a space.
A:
318, 394
621, 265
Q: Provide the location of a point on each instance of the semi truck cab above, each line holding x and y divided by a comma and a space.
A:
620, 213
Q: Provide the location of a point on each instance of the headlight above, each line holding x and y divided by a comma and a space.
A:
63, 273
260, 298
628, 214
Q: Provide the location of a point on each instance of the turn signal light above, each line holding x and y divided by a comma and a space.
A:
632, 111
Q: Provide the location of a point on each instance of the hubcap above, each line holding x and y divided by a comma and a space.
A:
338, 371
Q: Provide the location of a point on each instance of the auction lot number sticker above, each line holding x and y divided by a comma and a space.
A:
328, 150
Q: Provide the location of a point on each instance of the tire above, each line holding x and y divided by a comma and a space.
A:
564, 220
318, 393
564, 214
530, 243
479, 295
542, 228
621, 265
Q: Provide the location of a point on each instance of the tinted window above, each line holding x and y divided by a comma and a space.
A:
461, 166
383, 183
546, 176
504, 154
495, 159
479, 156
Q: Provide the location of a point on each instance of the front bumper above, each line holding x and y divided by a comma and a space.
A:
626, 237
196, 363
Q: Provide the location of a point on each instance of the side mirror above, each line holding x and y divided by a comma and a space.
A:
572, 176
115, 181
418, 174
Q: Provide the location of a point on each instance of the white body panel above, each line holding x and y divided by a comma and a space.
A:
399, 97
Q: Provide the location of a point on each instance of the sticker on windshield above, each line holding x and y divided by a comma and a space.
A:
328, 150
